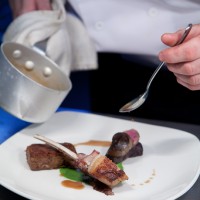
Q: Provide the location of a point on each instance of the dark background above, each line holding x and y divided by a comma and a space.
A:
118, 80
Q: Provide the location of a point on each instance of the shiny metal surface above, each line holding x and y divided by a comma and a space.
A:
138, 101
32, 87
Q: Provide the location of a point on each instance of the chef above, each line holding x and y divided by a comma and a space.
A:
137, 27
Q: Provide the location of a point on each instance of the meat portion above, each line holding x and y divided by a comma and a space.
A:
45, 157
135, 151
104, 170
98, 166
101, 168
125, 145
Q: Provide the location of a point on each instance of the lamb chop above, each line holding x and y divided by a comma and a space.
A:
95, 165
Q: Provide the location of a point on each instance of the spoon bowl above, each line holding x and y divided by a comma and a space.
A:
137, 102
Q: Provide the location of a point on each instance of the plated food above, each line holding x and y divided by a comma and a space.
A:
165, 151
102, 170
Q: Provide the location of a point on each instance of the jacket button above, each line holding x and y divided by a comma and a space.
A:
99, 25
153, 12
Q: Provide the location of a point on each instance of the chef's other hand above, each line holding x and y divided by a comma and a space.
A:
183, 60
20, 7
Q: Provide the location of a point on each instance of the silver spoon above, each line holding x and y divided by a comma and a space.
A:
137, 102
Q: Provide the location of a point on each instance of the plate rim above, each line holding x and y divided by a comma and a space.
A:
26, 195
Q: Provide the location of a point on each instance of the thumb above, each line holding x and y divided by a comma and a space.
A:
170, 39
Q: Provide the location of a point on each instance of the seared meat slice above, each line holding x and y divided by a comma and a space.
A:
45, 157
125, 145
101, 168
104, 170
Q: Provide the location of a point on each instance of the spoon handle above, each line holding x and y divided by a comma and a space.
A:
187, 30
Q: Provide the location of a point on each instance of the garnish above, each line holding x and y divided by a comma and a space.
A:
72, 174
77, 175
120, 166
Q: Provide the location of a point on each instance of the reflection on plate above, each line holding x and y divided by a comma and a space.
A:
169, 167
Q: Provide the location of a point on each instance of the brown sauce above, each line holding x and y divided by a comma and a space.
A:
151, 177
95, 143
72, 184
148, 180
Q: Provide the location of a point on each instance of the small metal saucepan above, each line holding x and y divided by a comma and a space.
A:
32, 86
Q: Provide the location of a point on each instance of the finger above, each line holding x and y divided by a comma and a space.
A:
188, 51
190, 87
187, 68
170, 39
190, 82
43, 5
15, 7
27, 6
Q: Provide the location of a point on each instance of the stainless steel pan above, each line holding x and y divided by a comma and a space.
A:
32, 87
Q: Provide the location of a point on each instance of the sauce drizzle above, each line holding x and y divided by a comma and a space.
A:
95, 143
72, 184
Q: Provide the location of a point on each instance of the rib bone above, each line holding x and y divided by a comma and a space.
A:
58, 146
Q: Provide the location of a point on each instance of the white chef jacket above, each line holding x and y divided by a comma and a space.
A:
134, 26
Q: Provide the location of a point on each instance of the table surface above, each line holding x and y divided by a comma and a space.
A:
10, 125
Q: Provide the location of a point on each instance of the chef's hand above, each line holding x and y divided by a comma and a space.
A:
183, 60
20, 7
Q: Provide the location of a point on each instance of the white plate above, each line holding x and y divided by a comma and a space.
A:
169, 167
